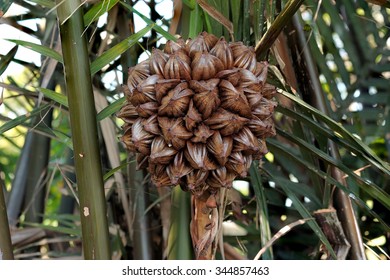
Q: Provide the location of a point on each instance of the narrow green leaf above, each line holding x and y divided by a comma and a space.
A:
384, 167
97, 10
69, 217
190, 3
111, 109
246, 23
55, 96
281, 152
236, 12
112, 171
65, 230
300, 207
64, 138
312, 223
370, 187
306, 118
43, 50
6, 60
265, 229
156, 27
22, 119
196, 22
114, 52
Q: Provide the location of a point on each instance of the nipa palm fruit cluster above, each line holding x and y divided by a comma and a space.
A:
198, 112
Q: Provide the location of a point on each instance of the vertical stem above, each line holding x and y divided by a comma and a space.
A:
36, 172
179, 240
5, 237
141, 227
265, 229
84, 131
15, 198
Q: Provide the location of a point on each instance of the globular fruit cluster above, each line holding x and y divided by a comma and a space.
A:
198, 112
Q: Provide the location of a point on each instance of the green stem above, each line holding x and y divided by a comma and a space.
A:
179, 239
84, 131
277, 26
5, 237
265, 229
142, 242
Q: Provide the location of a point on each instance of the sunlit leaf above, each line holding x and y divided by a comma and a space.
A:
55, 96
97, 10
22, 119
43, 50
156, 27
111, 109
114, 52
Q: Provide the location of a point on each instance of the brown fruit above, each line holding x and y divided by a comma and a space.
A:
197, 114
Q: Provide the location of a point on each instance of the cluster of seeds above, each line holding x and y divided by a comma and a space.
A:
198, 112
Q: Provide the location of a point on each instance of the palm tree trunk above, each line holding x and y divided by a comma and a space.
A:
84, 131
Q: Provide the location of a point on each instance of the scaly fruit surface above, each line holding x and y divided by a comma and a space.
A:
197, 113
